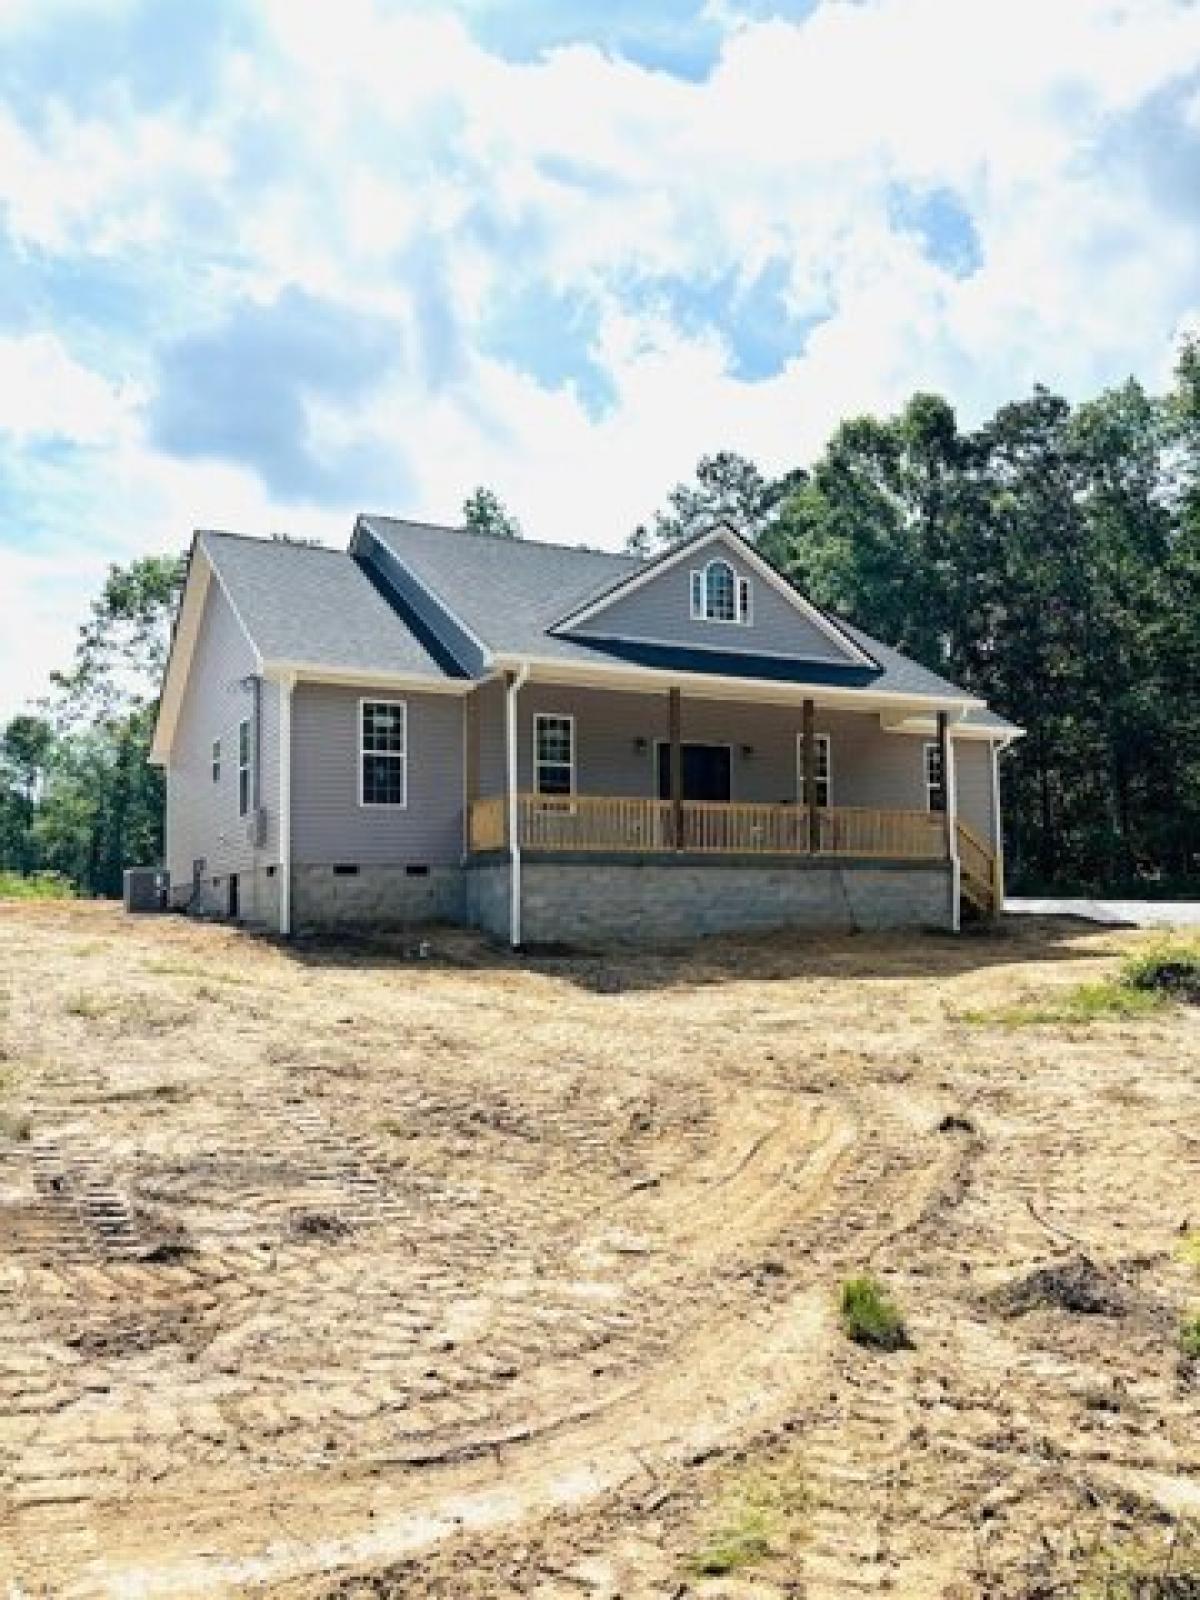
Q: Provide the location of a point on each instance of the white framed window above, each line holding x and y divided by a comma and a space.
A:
824, 755
554, 753
216, 761
719, 594
383, 753
935, 788
244, 774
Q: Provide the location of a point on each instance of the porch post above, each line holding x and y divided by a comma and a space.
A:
675, 731
950, 803
810, 778
470, 766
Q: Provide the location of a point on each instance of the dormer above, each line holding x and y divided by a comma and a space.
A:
715, 593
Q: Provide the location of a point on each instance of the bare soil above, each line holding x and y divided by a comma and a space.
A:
417, 1269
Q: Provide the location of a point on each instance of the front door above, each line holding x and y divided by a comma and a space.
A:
707, 772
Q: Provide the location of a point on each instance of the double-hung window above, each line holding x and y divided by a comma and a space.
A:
383, 753
935, 784
245, 786
719, 594
216, 761
824, 772
554, 753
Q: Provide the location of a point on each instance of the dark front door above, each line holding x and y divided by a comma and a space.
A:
234, 897
706, 772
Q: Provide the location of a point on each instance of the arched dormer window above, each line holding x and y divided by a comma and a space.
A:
719, 594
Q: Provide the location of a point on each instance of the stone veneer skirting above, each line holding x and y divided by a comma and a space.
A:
601, 900
659, 900
375, 897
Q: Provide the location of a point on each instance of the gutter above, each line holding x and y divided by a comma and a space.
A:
512, 689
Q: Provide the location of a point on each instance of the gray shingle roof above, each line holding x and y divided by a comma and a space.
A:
308, 604
509, 592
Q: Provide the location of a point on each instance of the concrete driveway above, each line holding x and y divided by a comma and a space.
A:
1135, 913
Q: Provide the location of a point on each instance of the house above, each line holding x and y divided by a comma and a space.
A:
558, 744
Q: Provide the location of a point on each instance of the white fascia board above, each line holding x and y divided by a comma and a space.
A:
202, 571
763, 568
354, 677
710, 686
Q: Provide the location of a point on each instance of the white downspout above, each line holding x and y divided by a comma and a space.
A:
997, 824
952, 833
286, 684
514, 834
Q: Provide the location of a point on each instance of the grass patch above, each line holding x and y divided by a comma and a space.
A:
35, 886
1170, 969
15, 1125
762, 1517
1189, 1249
1148, 980
1189, 1336
870, 1316
89, 1006
1161, 1568
193, 969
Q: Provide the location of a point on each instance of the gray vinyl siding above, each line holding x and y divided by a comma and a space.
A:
202, 816
328, 823
661, 611
973, 765
452, 635
869, 767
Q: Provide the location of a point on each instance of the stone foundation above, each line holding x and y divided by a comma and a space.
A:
375, 897
657, 900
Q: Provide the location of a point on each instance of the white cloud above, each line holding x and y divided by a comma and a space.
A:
46, 394
411, 174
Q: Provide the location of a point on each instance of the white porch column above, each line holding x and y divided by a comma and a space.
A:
513, 682
286, 685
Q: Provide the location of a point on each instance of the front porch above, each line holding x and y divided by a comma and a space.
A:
650, 816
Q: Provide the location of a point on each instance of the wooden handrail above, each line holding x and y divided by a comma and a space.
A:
634, 824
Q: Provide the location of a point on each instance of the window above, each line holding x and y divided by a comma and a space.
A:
719, 594
383, 757
216, 761
244, 793
553, 753
824, 770
935, 788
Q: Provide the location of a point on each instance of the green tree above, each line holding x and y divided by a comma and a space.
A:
484, 512
728, 489
25, 748
122, 648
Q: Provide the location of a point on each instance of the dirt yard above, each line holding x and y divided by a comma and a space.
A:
404, 1272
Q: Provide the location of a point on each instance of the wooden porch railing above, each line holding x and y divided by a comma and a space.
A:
616, 823
977, 863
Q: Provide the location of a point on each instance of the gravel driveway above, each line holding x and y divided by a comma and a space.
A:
1137, 913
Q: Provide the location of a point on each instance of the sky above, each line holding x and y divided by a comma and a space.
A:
267, 263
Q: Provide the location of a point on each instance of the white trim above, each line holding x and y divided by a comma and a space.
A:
711, 686
514, 815
707, 647
245, 767
365, 678
930, 744
736, 581
285, 806
997, 832
753, 560
390, 755
535, 762
820, 739
952, 832
703, 744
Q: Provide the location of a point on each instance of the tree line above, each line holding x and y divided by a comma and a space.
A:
1048, 559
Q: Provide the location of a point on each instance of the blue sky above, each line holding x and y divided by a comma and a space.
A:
264, 263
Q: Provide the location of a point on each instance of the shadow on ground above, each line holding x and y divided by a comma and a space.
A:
716, 960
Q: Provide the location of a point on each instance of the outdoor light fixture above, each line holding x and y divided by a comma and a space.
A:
747, 752
641, 745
